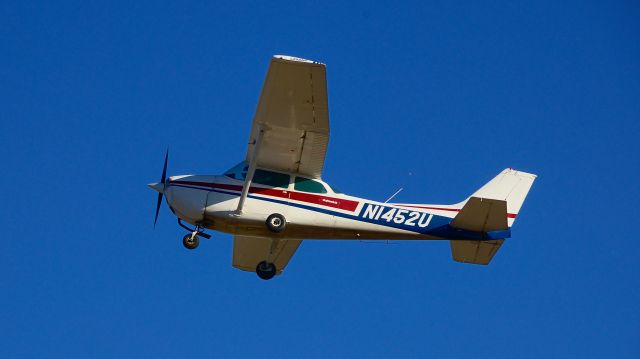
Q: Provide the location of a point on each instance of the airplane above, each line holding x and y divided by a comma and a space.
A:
276, 198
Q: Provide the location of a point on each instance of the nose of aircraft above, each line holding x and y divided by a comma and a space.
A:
157, 186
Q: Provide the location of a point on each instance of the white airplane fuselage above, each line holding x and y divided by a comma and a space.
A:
212, 201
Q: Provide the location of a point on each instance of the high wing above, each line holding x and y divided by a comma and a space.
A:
249, 251
293, 112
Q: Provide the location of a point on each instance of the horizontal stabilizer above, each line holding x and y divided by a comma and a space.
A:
475, 252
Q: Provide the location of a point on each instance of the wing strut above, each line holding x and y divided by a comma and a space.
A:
252, 168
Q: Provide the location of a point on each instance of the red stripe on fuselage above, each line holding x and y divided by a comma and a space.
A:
326, 201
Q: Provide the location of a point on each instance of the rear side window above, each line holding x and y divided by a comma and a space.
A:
272, 179
309, 185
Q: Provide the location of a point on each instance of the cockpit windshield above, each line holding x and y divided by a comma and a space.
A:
268, 178
238, 171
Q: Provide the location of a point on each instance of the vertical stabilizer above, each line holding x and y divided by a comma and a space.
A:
492, 209
511, 186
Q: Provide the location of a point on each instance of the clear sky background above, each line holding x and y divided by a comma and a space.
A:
435, 97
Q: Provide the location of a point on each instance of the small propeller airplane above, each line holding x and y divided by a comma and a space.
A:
276, 198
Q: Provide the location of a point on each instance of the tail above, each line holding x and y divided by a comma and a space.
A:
492, 210
510, 186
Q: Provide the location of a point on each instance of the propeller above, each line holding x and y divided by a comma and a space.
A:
160, 186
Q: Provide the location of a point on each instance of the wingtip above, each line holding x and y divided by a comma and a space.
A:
296, 59
520, 173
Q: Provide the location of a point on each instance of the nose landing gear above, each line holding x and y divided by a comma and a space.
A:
192, 240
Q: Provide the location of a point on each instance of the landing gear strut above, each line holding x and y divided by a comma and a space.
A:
266, 270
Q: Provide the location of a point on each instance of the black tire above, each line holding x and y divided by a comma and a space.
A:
189, 243
266, 270
276, 223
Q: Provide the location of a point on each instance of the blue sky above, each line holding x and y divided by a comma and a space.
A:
435, 97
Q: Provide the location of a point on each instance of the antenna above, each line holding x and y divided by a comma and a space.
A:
393, 195
378, 242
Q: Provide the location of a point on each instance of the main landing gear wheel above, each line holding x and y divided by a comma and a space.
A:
191, 241
266, 270
276, 223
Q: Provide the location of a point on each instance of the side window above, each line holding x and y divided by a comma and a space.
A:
272, 179
309, 185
